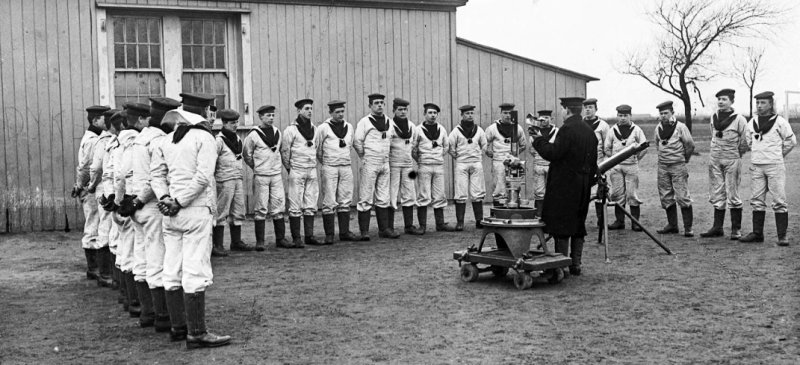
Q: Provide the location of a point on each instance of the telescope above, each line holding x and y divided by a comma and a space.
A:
623, 155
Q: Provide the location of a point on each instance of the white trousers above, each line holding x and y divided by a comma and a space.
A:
469, 182
187, 243
402, 189
269, 196
724, 178
539, 181
373, 188
303, 191
625, 185
90, 212
230, 202
337, 188
768, 178
149, 256
430, 186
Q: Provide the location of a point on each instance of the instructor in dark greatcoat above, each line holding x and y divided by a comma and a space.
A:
573, 165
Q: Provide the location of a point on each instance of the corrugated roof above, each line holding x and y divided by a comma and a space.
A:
529, 61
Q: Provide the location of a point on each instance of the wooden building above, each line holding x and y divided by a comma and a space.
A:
59, 56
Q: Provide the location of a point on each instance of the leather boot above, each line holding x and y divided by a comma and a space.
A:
422, 218
123, 289
599, 211
619, 219
461, 209
177, 314
294, 227
147, 316
408, 222
279, 226
782, 223
217, 238
716, 228
196, 321
538, 205
687, 213
575, 253
635, 211
308, 229
92, 270
161, 322
261, 227
104, 267
382, 216
390, 218
736, 223
134, 308
363, 225
672, 221
441, 226
758, 228
344, 227
236, 239
477, 210
562, 246
329, 225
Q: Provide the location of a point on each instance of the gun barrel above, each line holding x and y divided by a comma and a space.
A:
621, 156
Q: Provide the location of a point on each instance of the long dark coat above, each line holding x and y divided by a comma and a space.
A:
573, 165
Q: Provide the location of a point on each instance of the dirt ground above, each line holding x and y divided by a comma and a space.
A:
401, 301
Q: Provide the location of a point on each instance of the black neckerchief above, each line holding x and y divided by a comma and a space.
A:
232, 141
665, 131
379, 122
95, 130
339, 128
593, 122
432, 132
468, 130
721, 120
402, 127
763, 124
269, 135
507, 131
181, 131
622, 132
305, 128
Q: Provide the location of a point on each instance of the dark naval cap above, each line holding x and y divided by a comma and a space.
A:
466, 108
726, 92
507, 106
590, 101
336, 104
664, 106
545, 113
764, 95
433, 106
302, 102
571, 102
137, 109
228, 115
119, 116
375, 96
266, 109
197, 100
97, 110
110, 113
400, 102
159, 106
624, 109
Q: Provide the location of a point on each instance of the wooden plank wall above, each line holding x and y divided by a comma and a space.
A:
486, 80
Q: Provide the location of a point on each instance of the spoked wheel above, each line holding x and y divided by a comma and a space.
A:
469, 273
523, 280
499, 271
556, 275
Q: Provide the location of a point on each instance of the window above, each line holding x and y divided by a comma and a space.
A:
137, 59
203, 49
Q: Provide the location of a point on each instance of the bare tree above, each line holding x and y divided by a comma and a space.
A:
691, 33
749, 70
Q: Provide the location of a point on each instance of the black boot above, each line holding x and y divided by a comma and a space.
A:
599, 211
294, 227
177, 314
104, 267
688, 219
736, 223
562, 246
422, 218
672, 220
441, 226
123, 289
308, 229
477, 210
363, 225
261, 227
390, 218
279, 226
635, 213
161, 322
782, 223
716, 228
217, 238
575, 253
196, 321
382, 216
619, 219
538, 205
758, 228
461, 209
236, 240
344, 227
329, 225
408, 222
92, 270
134, 307
147, 316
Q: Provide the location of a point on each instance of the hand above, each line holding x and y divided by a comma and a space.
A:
490, 154
91, 189
76, 191
168, 207
534, 132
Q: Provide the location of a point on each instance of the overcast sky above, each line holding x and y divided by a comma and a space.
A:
591, 36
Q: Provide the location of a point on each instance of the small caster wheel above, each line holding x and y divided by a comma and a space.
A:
556, 276
469, 273
499, 271
523, 281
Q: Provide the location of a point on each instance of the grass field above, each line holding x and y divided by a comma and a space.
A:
401, 301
